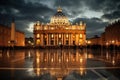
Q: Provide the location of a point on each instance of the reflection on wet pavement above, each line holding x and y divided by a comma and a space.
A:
66, 64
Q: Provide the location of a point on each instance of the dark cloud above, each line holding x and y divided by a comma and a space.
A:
24, 13
102, 5
29, 11
112, 15
95, 26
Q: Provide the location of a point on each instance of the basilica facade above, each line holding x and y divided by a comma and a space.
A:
59, 32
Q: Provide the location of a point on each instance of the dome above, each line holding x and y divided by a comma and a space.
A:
59, 17
59, 12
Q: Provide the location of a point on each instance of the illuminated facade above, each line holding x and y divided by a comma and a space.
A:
94, 41
112, 33
59, 63
111, 36
59, 32
5, 37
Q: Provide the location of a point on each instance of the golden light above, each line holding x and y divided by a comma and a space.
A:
38, 41
52, 28
73, 59
38, 35
59, 60
113, 41
29, 55
90, 56
45, 59
38, 71
107, 55
37, 60
107, 43
81, 60
81, 35
89, 42
67, 59
113, 61
45, 28
52, 36
66, 35
37, 28
59, 35
73, 36
66, 28
82, 71
8, 42
29, 42
52, 60
8, 55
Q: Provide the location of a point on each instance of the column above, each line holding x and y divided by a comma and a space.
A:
47, 39
54, 38
77, 55
69, 39
62, 38
57, 39
76, 39
42, 39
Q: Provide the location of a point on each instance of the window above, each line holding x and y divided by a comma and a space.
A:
52, 35
38, 35
73, 36
59, 35
38, 41
66, 35
81, 35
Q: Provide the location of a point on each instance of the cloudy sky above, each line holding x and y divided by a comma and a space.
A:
97, 14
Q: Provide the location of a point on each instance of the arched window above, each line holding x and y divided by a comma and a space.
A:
38, 35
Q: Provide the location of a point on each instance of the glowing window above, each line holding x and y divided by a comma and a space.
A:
45, 28
52, 36
37, 28
66, 35
81, 35
38, 35
59, 35
73, 36
38, 41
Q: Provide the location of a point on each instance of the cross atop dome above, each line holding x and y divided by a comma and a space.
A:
59, 9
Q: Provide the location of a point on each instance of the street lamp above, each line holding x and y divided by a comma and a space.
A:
89, 43
107, 44
113, 43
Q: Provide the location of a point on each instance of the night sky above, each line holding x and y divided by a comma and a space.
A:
97, 14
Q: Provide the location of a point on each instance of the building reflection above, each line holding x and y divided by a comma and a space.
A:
12, 59
59, 63
106, 56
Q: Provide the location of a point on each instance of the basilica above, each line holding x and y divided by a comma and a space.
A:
59, 31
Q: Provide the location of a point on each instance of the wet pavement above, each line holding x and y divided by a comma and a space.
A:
57, 64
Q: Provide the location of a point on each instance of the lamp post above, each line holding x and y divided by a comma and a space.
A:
113, 43
107, 45
89, 43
